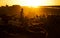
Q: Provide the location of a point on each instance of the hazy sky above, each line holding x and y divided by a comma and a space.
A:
24, 2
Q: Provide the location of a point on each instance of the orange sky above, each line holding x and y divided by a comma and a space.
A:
24, 2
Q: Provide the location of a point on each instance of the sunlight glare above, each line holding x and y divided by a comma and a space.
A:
34, 3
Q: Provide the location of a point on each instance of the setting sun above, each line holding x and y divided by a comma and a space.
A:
30, 3
33, 3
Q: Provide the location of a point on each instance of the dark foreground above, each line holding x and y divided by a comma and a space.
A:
50, 30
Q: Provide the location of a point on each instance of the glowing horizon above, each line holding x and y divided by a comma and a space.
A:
31, 3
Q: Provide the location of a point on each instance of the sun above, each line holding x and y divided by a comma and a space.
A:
34, 3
